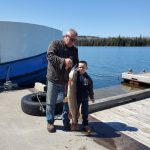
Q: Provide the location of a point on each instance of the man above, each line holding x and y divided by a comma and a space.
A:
62, 55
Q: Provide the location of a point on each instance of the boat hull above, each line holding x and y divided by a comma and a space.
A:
25, 71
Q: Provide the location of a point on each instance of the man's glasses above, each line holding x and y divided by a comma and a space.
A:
72, 39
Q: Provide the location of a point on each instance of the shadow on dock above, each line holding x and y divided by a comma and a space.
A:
113, 138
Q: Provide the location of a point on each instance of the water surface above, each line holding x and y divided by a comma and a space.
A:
105, 64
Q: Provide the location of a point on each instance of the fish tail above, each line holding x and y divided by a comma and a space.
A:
74, 127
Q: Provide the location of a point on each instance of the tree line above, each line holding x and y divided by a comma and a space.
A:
113, 41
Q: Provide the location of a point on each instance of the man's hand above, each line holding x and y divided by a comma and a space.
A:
68, 63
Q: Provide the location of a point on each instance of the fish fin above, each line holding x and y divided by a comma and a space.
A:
69, 115
70, 82
65, 100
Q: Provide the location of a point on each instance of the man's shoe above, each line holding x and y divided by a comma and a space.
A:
67, 127
87, 129
51, 128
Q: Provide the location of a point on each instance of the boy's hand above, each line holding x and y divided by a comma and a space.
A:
93, 100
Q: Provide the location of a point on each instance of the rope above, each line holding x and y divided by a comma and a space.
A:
41, 106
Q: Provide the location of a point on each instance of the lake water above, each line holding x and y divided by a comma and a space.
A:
105, 64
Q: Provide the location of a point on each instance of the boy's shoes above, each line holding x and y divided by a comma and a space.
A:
67, 127
51, 128
87, 129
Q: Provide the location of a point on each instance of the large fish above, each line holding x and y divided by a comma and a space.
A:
71, 96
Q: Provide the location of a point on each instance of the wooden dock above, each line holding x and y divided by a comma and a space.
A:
132, 120
143, 77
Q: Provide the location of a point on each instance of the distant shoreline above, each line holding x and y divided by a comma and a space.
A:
113, 41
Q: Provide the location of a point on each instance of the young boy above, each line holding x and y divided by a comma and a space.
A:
84, 92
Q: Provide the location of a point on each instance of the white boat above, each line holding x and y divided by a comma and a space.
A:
23, 49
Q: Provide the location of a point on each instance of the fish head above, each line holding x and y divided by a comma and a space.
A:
73, 74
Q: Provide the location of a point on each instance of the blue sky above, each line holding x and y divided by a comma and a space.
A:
104, 18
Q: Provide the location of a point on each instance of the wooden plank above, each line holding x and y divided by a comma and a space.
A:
137, 135
143, 116
132, 119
